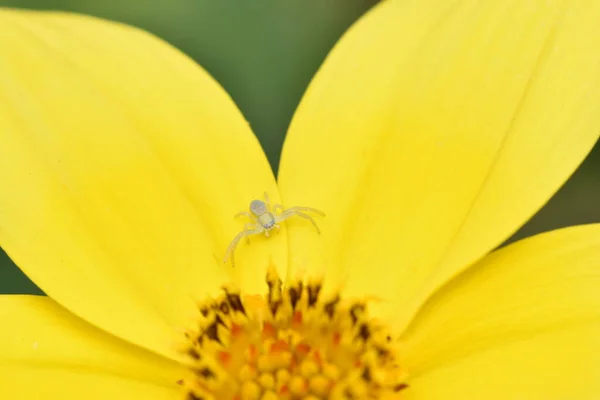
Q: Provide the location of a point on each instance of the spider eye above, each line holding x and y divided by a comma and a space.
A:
258, 207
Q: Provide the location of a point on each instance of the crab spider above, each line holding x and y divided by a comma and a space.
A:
266, 218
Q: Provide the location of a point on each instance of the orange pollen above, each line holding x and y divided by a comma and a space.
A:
293, 344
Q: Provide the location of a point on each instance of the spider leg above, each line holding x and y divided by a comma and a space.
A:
248, 227
306, 209
278, 207
245, 214
236, 240
293, 211
267, 202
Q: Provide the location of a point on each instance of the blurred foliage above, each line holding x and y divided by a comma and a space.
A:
264, 53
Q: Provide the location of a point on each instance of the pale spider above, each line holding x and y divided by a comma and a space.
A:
265, 219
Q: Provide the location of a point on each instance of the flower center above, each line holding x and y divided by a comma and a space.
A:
290, 344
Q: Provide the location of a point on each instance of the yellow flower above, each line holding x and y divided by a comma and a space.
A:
431, 133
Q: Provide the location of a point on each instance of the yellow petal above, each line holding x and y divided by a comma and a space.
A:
47, 352
524, 321
432, 132
553, 366
122, 164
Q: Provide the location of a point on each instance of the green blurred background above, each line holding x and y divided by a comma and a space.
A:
264, 53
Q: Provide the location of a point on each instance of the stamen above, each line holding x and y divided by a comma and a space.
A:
290, 344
